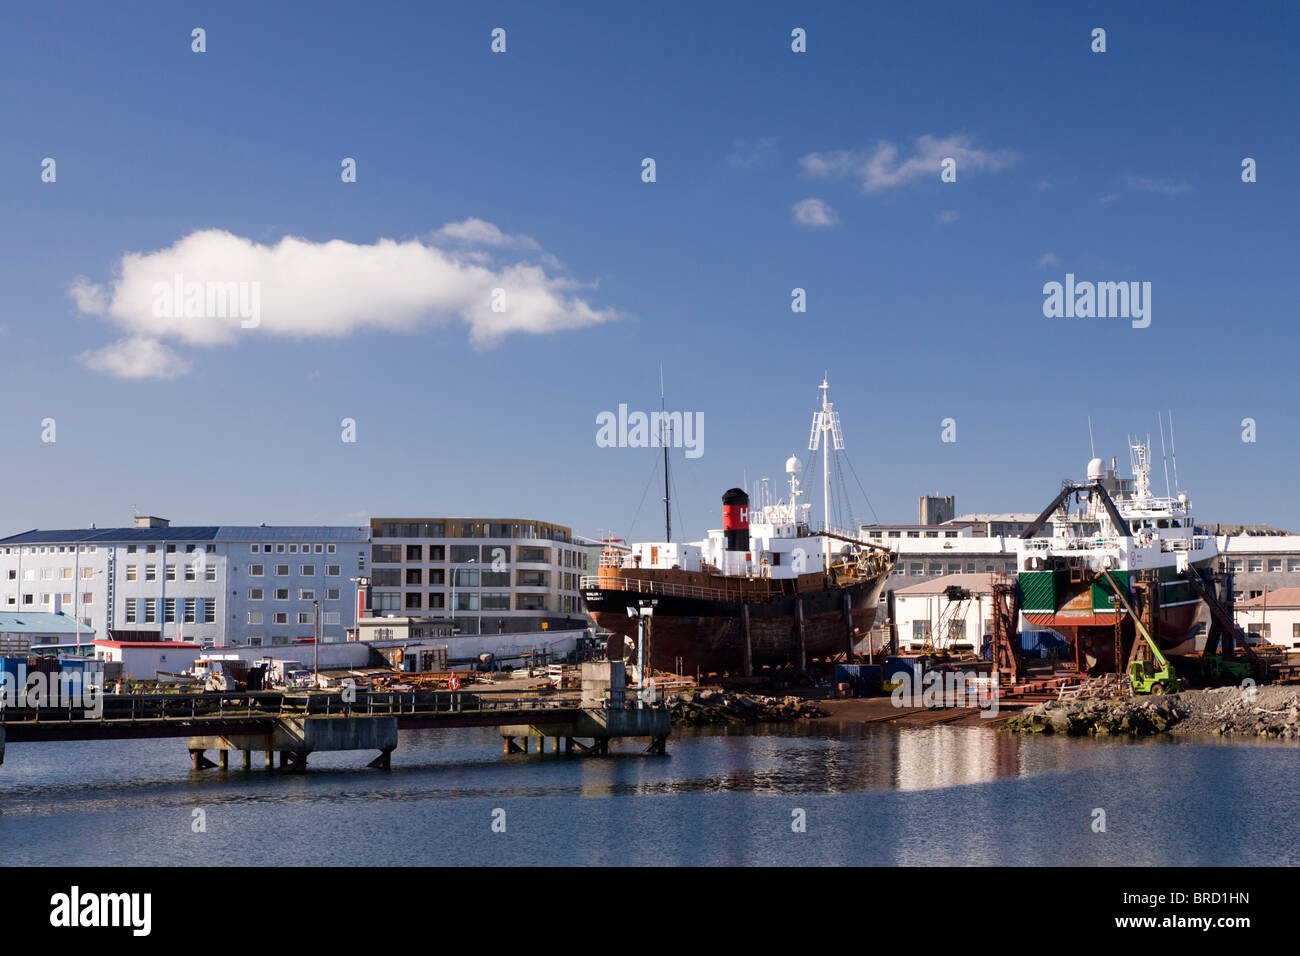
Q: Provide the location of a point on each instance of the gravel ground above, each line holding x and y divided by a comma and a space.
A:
1271, 711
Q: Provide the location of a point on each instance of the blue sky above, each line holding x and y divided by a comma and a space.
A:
924, 298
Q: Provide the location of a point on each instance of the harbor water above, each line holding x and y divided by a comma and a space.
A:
794, 794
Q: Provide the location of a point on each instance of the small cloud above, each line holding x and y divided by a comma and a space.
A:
813, 212
479, 232
1155, 184
135, 357
885, 167
947, 216
752, 154
1107, 199
1048, 259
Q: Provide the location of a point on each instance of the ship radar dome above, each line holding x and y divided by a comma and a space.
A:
792, 466
1096, 470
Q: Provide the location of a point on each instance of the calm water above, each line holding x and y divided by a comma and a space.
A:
871, 795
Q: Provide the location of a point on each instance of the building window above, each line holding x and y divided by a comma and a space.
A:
1275, 565
255, 617
305, 617
190, 572
413, 599
463, 553
330, 617
414, 577
169, 611
210, 572
414, 552
1257, 565
282, 570
282, 594
130, 576
920, 630
255, 548
130, 611
331, 570
255, 594
190, 604
331, 594
151, 572
280, 617
151, 610
306, 594
307, 570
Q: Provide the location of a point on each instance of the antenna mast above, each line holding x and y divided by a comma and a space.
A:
667, 439
1173, 452
1165, 458
825, 432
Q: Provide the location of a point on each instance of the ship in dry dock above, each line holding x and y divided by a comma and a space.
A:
765, 589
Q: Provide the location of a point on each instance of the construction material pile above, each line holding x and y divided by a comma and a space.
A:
716, 707
1272, 711
1099, 717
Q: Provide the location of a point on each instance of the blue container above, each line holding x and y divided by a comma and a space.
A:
862, 679
910, 668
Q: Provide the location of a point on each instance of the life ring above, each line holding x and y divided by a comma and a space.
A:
454, 682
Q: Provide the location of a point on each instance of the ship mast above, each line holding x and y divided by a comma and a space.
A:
665, 438
825, 431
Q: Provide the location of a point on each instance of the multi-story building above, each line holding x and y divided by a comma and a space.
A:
478, 575
214, 585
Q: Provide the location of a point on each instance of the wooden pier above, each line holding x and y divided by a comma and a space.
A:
296, 725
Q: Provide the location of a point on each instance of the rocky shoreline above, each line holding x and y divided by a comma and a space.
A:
1270, 712
719, 707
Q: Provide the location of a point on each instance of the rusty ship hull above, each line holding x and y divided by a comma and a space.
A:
699, 627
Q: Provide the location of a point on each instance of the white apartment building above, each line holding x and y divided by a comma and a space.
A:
213, 585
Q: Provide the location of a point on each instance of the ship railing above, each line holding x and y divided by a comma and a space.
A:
664, 588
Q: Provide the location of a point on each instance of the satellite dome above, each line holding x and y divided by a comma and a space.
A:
1096, 469
792, 466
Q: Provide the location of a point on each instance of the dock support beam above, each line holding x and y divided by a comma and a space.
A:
224, 757
748, 659
201, 762
799, 633
248, 759
847, 606
384, 761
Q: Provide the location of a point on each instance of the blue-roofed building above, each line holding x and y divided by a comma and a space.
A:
20, 630
216, 585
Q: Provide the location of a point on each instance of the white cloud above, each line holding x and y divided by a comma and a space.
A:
1048, 259
333, 289
1155, 184
947, 216
478, 232
752, 154
883, 167
813, 212
136, 358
